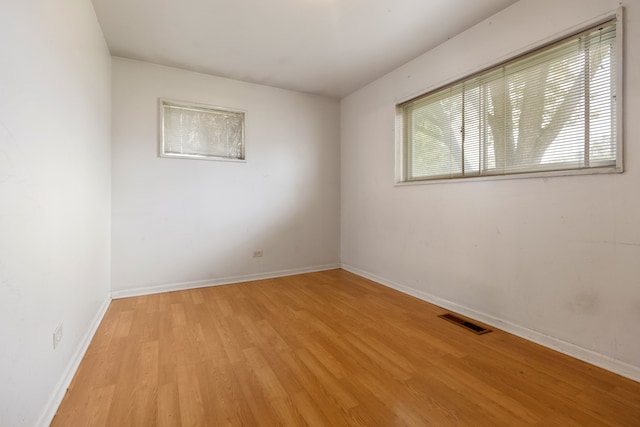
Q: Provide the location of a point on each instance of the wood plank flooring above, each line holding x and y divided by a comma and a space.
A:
325, 349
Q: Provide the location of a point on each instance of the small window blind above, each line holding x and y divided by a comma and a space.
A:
552, 109
201, 132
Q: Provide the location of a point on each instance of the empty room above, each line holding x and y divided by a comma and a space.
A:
320, 213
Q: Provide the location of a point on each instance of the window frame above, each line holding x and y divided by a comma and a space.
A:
212, 109
402, 152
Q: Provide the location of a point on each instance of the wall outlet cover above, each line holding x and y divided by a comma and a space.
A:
57, 336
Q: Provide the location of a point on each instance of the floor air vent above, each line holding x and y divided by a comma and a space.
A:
476, 329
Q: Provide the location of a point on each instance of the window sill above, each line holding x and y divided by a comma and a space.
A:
546, 174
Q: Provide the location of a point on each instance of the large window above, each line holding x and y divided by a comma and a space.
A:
554, 109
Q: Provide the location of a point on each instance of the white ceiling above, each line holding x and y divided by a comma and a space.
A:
327, 47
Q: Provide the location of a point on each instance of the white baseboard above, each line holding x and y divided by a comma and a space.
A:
589, 356
61, 388
170, 287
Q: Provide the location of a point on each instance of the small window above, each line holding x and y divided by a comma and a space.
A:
201, 132
554, 109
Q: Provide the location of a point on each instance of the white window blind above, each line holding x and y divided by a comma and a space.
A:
553, 109
202, 132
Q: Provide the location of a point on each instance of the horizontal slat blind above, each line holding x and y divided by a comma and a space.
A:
201, 132
553, 109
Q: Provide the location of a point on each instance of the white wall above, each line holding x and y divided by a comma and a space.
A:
180, 222
54, 198
554, 259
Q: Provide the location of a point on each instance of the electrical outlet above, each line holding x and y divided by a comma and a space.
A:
257, 254
57, 336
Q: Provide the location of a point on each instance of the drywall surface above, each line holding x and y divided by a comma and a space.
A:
54, 197
186, 222
554, 257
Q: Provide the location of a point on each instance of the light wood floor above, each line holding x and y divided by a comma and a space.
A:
325, 349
